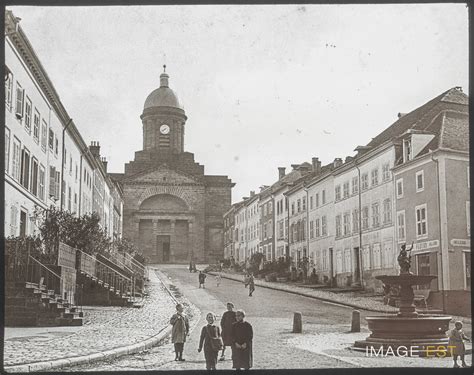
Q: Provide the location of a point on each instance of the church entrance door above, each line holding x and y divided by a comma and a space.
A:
163, 247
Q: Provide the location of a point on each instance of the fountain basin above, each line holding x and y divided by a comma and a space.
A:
423, 326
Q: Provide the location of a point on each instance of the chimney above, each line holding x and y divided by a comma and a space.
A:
337, 162
348, 159
104, 163
316, 165
252, 193
400, 114
95, 149
281, 172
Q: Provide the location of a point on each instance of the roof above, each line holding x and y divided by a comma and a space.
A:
418, 119
291, 177
163, 96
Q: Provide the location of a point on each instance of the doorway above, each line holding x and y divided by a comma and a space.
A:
163, 247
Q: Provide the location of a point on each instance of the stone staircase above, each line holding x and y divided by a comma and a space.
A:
98, 292
31, 305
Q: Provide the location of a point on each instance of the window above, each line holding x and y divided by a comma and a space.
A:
69, 198
324, 226
337, 192
7, 149
36, 126
280, 229
387, 211
420, 181
345, 189
8, 90
355, 185
347, 223
374, 176
311, 229
270, 207
325, 260
376, 255
386, 172
387, 255
317, 229
338, 226
423, 267
70, 165
77, 173
41, 182
316, 197
355, 220
52, 181
44, 132
375, 215
28, 109
323, 197
364, 181
293, 208
34, 177
365, 217
51, 140
311, 202
298, 204
56, 146
339, 261
303, 229
468, 218
20, 98
421, 222
13, 220
304, 204
406, 150
399, 185
286, 227
16, 160
25, 168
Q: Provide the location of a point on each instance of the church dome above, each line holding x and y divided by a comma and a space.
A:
162, 96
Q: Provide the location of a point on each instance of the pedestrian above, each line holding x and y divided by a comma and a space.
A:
228, 318
242, 335
246, 280
211, 341
218, 280
180, 330
190, 266
251, 285
456, 341
202, 278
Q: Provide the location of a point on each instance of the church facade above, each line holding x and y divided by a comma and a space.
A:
172, 210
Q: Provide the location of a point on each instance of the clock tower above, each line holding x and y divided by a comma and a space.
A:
163, 120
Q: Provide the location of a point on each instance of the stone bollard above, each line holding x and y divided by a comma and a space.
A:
297, 323
355, 325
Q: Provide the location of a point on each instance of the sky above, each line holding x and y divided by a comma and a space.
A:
262, 86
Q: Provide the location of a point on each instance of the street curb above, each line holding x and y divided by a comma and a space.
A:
94, 357
260, 283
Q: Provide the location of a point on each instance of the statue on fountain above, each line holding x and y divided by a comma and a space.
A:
404, 260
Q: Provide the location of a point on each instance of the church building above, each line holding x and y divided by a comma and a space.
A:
172, 210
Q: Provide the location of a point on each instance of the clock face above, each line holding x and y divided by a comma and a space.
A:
164, 129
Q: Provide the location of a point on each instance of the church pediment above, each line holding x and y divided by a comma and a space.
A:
165, 175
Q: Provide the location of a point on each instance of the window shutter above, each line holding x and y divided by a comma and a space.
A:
52, 181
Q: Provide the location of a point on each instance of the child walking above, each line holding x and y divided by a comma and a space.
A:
180, 330
218, 280
209, 333
456, 340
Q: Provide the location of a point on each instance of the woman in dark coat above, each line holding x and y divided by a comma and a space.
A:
228, 318
209, 331
242, 335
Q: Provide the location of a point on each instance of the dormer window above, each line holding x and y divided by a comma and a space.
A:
407, 151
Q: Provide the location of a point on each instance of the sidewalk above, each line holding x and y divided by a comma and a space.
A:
107, 332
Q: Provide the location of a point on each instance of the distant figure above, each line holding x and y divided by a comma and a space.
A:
228, 318
251, 285
404, 259
246, 279
180, 330
191, 267
242, 336
209, 335
218, 280
202, 278
456, 340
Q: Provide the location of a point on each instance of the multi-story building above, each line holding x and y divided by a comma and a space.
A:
267, 219
320, 190
240, 244
229, 233
252, 218
432, 195
47, 163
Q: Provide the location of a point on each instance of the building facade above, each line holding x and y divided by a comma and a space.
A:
171, 208
47, 162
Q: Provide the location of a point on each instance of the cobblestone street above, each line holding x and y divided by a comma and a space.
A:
324, 343
104, 328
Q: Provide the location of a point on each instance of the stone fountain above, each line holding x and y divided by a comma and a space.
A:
407, 330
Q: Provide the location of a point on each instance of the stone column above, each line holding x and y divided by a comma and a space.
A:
172, 239
190, 240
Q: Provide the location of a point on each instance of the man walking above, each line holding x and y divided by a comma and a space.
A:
251, 285
202, 278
